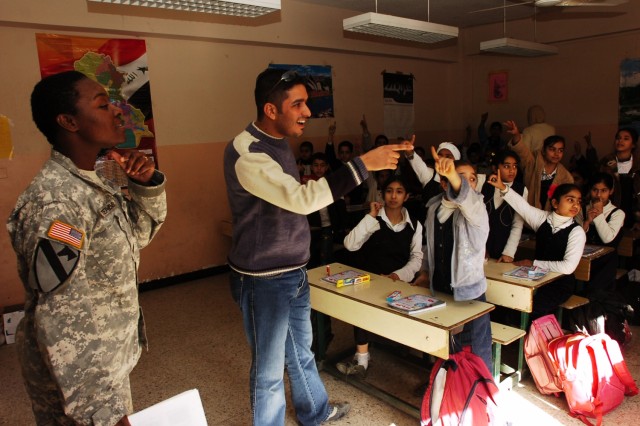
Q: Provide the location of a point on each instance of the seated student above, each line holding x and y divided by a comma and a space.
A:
559, 241
602, 222
582, 181
327, 224
457, 228
541, 169
367, 145
505, 225
625, 169
304, 161
345, 155
386, 242
492, 140
376, 182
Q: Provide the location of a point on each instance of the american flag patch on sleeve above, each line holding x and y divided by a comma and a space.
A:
67, 234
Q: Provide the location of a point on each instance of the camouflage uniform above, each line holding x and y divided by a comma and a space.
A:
83, 329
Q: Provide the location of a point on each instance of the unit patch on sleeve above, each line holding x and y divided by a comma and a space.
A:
54, 263
66, 234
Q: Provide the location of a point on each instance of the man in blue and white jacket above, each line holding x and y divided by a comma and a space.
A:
270, 247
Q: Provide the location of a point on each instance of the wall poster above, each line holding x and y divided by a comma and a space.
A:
319, 84
120, 65
498, 86
399, 114
629, 95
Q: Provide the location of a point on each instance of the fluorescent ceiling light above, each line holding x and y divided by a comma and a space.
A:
243, 8
512, 46
401, 28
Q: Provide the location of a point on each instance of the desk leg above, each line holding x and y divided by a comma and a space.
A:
524, 319
496, 349
321, 343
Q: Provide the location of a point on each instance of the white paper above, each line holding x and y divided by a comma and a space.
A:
184, 409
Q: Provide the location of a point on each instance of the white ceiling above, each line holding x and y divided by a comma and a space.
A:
457, 12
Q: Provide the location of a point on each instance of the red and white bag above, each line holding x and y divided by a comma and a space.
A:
541, 366
594, 376
461, 392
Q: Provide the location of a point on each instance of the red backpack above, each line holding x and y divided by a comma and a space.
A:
461, 392
594, 375
541, 366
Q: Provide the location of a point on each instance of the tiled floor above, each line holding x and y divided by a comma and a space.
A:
196, 341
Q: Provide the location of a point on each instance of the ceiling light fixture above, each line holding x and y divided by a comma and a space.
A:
515, 47
375, 23
242, 8
512, 46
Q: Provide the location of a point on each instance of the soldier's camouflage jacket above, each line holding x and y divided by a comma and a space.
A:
78, 246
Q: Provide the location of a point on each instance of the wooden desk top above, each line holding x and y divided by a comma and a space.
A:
511, 292
365, 306
494, 271
527, 248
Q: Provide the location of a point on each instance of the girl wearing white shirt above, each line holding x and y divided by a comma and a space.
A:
385, 242
504, 223
559, 241
602, 222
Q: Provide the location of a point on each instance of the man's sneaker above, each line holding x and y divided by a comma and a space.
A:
337, 411
352, 368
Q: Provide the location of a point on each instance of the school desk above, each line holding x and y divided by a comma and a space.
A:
364, 305
514, 293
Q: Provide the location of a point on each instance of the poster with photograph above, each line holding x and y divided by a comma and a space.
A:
498, 86
629, 95
399, 116
319, 84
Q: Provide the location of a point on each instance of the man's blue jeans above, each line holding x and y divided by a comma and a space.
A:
276, 313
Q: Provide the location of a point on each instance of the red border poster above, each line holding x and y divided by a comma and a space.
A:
120, 65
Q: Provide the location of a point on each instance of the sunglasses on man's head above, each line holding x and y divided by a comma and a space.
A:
287, 77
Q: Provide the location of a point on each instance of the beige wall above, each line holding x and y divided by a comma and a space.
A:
202, 71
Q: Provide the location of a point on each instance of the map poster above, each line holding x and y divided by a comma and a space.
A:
120, 65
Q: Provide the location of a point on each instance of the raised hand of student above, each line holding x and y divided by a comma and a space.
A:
595, 210
135, 164
512, 129
385, 156
523, 262
495, 180
363, 124
587, 139
375, 208
410, 148
445, 167
505, 259
332, 131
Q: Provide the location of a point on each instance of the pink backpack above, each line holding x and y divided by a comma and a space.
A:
461, 392
594, 375
536, 353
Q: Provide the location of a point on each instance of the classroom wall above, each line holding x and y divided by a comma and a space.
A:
202, 71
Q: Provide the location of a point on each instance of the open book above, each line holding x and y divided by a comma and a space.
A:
348, 277
416, 303
590, 250
527, 272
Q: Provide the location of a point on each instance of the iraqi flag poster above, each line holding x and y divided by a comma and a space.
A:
120, 66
